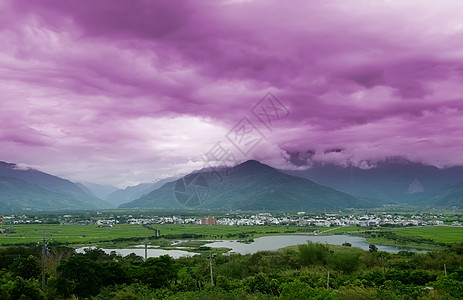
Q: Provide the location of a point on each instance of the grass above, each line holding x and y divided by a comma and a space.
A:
438, 234
405, 246
72, 234
342, 229
92, 234
335, 248
229, 232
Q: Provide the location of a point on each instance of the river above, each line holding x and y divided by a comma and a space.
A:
267, 243
273, 243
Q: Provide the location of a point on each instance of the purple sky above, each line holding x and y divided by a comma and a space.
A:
121, 92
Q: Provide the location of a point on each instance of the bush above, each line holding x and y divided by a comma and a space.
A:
313, 254
297, 290
347, 262
355, 293
126, 292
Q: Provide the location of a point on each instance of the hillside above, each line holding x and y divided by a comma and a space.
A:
99, 190
249, 186
45, 190
18, 195
131, 193
394, 180
446, 197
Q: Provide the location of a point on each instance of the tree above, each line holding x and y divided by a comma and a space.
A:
26, 289
313, 254
82, 273
297, 290
373, 248
112, 272
10, 254
223, 282
26, 268
346, 262
261, 283
158, 271
134, 291
449, 286
96, 254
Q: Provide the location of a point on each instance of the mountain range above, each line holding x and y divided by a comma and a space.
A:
99, 190
248, 186
446, 197
394, 180
30, 189
131, 193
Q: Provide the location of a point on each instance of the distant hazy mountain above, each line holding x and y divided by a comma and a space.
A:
99, 190
248, 186
85, 189
17, 195
446, 197
395, 180
131, 193
45, 191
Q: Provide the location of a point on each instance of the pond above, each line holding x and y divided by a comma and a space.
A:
273, 243
141, 252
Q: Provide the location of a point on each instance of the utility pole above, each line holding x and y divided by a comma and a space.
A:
210, 267
328, 281
382, 260
146, 250
44, 252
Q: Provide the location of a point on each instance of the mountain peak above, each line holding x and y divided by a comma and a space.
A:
251, 185
252, 166
251, 162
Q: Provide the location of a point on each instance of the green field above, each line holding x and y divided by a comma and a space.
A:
221, 231
73, 234
432, 237
341, 230
440, 234
126, 235
92, 234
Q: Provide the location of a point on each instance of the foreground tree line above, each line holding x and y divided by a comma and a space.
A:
311, 271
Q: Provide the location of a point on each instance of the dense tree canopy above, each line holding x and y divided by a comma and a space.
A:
311, 271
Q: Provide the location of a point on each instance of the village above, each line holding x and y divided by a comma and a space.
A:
246, 219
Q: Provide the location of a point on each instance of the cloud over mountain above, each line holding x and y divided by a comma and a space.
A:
112, 86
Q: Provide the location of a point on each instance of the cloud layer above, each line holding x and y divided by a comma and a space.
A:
121, 92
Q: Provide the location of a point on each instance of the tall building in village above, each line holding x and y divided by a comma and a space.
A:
208, 221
